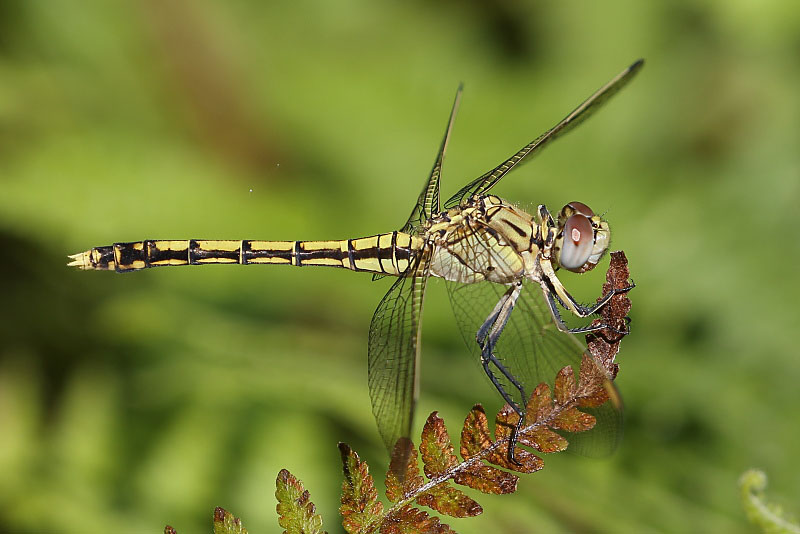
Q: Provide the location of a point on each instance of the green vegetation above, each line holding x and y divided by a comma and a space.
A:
130, 402
771, 518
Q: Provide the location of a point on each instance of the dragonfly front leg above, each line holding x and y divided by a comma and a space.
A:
552, 286
487, 337
550, 297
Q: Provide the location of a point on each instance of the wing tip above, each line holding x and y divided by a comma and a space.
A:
635, 67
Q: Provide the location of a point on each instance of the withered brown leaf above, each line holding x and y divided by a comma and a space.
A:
410, 520
451, 501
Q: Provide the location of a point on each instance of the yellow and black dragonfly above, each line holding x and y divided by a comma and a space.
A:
490, 253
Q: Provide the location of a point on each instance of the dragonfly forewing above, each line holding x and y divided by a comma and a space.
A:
428, 202
482, 184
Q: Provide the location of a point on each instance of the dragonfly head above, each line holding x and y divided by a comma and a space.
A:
582, 238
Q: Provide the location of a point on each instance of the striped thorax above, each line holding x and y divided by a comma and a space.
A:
488, 239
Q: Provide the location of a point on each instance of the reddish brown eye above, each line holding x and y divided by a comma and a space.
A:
581, 208
578, 242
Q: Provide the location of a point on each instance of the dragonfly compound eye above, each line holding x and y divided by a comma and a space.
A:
578, 242
581, 208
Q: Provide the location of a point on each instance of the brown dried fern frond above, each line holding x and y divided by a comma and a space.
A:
485, 464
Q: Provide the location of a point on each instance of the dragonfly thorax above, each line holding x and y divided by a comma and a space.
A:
486, 239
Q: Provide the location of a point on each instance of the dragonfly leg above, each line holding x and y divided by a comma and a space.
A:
589, 310
489, 334
551, 285
551, 297
490, 320
487, 337
488, 357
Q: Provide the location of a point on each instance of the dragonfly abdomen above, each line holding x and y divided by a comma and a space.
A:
388, 253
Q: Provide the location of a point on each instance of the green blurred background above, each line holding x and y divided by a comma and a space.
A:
128, 402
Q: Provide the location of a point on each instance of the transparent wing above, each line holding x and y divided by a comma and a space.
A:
428, 202
394, 355
484, 183
534, 350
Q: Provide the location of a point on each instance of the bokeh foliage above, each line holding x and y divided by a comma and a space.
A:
127, 402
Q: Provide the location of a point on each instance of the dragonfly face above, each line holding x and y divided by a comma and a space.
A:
494, 257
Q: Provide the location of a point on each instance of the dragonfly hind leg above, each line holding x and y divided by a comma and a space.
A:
487, 337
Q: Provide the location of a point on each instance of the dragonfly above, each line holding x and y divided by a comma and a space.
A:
500, 265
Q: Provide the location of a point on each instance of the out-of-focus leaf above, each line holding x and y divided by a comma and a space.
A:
296, 513
771, 518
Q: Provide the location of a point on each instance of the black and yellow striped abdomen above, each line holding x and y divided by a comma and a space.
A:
388, 253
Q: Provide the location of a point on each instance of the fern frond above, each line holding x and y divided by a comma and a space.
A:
769, 517
224, 523
296, 513
485, 463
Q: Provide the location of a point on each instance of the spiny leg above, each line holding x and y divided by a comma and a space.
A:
585, 311
551, 296
488, 357
487, 337
490, 320
551, 284
489, 334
